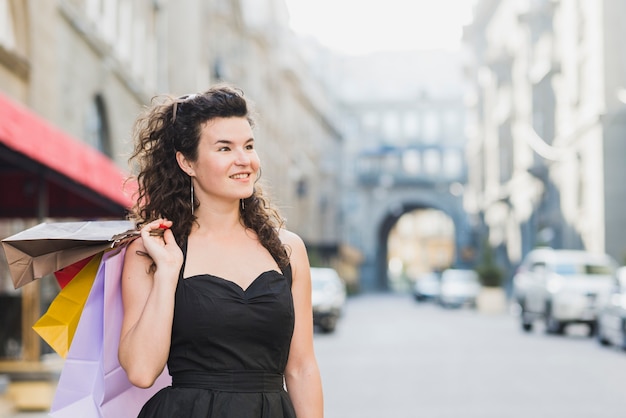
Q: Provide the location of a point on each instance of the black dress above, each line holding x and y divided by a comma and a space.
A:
229, 349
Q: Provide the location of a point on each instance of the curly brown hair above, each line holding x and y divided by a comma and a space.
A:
172, 125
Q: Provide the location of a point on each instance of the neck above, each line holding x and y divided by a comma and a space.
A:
218, 220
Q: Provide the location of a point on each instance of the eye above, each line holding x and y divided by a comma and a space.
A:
250, 147
224, 149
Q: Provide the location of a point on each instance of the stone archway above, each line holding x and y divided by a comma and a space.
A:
420, 239
374, 271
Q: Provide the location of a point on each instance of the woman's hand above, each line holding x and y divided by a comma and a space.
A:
161, 246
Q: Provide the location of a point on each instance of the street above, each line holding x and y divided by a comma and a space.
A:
391, 357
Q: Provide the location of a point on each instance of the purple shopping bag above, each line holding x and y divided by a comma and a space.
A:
92, 383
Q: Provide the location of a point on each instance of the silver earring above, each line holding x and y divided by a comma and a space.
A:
243, 204
192, 208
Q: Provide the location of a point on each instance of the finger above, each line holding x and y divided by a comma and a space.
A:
154, 224
168, 237
156, 227
162, 227
145, 230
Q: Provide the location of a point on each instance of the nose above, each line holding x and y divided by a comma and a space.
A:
242, 158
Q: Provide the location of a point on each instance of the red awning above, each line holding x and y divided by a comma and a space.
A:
45, 172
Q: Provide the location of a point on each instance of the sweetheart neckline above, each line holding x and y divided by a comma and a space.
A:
232, 282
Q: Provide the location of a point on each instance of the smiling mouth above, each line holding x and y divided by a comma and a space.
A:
240, 176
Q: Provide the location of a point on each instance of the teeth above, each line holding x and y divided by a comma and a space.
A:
240, 176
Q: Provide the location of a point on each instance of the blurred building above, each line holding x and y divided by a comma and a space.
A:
72, 78
403, 120
78, 72
546, 125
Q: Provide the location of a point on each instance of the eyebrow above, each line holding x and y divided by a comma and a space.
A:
229, 142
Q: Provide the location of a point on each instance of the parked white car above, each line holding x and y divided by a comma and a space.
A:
427, 287
459, 287
563, 287
612, 317
328, 297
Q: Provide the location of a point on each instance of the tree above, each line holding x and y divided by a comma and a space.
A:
488, 271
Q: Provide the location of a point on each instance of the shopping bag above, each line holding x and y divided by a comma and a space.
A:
49, 247
66, 274
120, 396
58, 325
92, 382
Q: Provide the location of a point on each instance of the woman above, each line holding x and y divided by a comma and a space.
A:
223, 294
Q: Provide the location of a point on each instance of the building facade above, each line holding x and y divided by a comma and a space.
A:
546, 125
84, 69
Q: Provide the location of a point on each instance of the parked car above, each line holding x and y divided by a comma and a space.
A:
328, 297
427, 287
612, 316
459, 287
562, 287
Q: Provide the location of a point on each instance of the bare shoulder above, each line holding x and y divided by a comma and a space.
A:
290, 239
298, 256
135, 246
135, 253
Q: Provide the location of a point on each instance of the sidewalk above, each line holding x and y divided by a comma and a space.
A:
30, 398
30, 415
27, 388
7, 408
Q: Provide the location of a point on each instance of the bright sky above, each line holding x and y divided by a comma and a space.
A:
362, 26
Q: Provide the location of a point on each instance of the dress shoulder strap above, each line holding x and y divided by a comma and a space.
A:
288, 274
182, 267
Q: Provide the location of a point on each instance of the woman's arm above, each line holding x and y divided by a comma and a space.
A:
148, 299
302, 374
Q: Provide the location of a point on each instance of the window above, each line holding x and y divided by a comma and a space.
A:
124, 38
411, 161
452, 164
302, 188
538, 265
411, 125
452, 123
7, 33
569, 269
96, 126
505, 150
391, 126
580, 183
432, 161
431, 127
